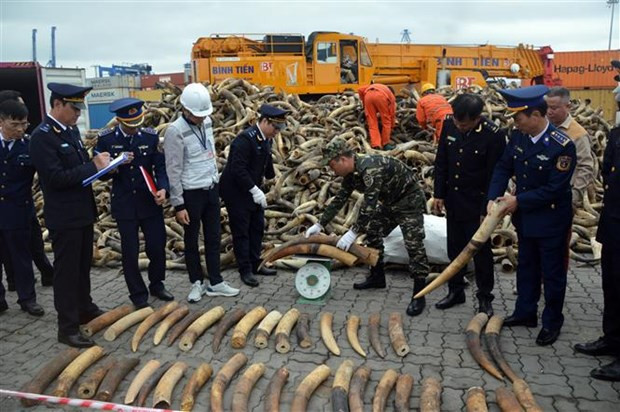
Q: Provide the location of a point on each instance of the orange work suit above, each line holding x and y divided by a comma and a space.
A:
378, 98
432, 110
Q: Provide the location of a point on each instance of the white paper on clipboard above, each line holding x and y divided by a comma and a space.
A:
113, 165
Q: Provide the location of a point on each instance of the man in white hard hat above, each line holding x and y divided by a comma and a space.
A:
194, 193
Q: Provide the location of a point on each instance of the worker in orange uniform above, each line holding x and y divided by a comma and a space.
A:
378, 98
432, 110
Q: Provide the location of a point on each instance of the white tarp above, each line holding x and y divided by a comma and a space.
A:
435, 243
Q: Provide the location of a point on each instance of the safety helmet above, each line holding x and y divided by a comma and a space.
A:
427, 86
196, 99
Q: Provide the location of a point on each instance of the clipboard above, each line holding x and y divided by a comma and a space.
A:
113, 165
150, 183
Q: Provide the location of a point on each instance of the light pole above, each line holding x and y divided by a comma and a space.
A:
611, 24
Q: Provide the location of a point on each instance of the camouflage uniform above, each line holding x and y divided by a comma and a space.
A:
392, 197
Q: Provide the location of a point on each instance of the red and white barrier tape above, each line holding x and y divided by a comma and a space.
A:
82, 403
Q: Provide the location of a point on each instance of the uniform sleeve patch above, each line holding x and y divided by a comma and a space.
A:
563, 164
368, 180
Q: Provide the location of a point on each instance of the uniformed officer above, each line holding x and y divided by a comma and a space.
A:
16, 205
609, 235
469, 147
542, 160
249, 161
63, 163
392, 197
192, 170
133, 205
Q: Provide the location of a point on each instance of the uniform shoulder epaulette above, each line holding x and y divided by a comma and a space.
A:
560, 137
491, 126
105, 132
45, 127
148, 130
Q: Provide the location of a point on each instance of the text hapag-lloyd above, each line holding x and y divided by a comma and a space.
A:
590, 68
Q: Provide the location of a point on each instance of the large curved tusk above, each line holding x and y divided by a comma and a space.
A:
70, 374
88, 388
245, 325
476, 400
472, 337
274, 390
307, 387
162, 397
430, 399
303, 331
48, 373
483, 233
283, 330
314, 249
227, 322
404, 386
150, 321
340, 387
491, 335
525, 396
241, 393
106, 319
397, 336
182, 326
506, 400
265, 327
374, 322
385, 386
178, 314
223, 378
114, 377
327, 334
356, 391
139, 380
150, 384
195, 383
126, 322
353, 324
199, 326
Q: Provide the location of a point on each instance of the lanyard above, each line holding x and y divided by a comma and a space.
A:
202, 137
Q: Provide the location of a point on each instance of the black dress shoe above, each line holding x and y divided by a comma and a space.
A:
528, 322
162, 294
76, 341
140, 305
416, 306
87, 317
371, 282
547, 336
33, 308
598, 347
249, 279
609, 372
484, 306
453, 298
265, 271
3, 306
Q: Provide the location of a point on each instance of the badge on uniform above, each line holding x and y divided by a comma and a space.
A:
452, 138
563, 163
368, 180
543, 158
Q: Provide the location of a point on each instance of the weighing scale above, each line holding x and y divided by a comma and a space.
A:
313, 280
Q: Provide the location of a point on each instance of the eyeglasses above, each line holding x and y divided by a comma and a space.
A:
15, 125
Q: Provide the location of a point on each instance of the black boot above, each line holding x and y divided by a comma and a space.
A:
455, 297
416, 306
484, 305
376, 280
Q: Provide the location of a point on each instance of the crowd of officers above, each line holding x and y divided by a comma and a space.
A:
541, 173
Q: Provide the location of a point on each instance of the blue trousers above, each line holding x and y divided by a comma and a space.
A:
15, 245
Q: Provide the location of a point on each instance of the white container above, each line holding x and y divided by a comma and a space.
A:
107, 95
113, 82
71, 76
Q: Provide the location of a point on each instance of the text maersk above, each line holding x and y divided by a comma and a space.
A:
590, 68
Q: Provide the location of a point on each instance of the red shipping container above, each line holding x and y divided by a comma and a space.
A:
586, 69
148, 81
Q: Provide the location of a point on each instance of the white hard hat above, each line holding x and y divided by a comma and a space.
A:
196, 99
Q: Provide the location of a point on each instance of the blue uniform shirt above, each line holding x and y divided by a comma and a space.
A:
16, 173
131, 198
542, 173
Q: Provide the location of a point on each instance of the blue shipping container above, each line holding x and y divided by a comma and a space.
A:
99, 115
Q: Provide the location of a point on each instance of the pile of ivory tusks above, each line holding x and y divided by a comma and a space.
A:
303, 187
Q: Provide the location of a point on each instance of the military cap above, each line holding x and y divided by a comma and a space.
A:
69, 93
336, 147
524, 98
275, 115
128, 111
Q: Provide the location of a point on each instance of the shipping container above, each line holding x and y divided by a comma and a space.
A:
602, 98
148, 81
113, 82
585, 69
107, 95
147, 95
100, 115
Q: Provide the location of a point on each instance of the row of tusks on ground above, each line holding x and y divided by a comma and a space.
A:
177, 320
161, 378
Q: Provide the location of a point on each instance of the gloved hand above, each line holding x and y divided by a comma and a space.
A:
346, 240
313, 230
259, 197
